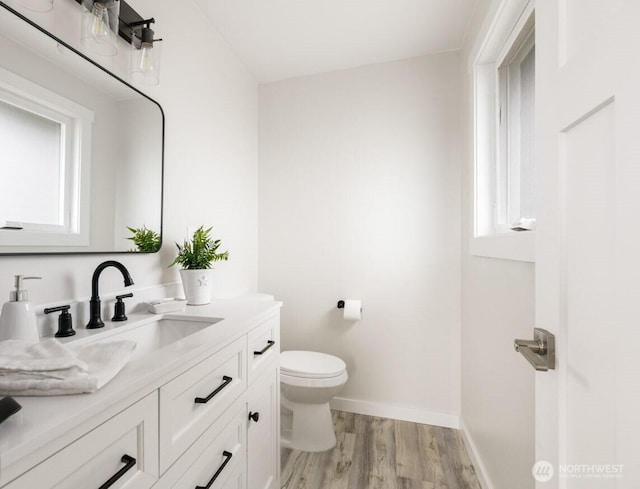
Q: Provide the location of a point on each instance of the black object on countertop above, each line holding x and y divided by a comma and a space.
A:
118, 314
65, 322
8, 407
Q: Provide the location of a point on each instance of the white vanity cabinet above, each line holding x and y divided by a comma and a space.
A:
241, 448
262, 453
191, 402
217, 459
263, 404
120, 452
264, 347
212, 423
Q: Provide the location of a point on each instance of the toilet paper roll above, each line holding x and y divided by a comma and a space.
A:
353, 309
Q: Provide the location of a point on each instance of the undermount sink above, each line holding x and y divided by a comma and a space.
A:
150, 334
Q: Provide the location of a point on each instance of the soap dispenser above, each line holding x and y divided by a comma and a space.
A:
18, 318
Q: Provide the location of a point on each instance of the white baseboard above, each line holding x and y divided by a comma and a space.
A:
476, 460
395, 412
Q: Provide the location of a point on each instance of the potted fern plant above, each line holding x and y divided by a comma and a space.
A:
146, 240
196, 256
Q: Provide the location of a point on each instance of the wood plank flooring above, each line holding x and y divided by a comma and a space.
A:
379, 453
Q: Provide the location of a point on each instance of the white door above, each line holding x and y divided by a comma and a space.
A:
588, 242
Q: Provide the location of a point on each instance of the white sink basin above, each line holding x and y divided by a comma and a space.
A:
149, 334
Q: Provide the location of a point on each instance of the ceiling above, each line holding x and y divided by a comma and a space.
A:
279, 39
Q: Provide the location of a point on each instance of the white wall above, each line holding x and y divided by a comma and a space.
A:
497, 306
210, 104
359, 192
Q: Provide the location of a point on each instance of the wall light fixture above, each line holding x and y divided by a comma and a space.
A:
100, 22
145, 60
104, 20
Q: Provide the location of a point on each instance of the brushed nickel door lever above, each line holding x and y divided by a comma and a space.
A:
539, 352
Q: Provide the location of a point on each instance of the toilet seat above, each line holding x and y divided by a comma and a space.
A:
317, 382
311, 365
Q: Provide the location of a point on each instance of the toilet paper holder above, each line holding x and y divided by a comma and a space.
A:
341, 304
352, 309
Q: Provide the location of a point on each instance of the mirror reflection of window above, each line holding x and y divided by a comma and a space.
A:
43, 136
33, 148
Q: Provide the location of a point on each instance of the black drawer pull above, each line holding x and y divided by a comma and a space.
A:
126, 459
227, 456
270, 343
254, 416
225, 382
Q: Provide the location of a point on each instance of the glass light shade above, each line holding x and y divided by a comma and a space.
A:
145, 63
37, 5
100, 26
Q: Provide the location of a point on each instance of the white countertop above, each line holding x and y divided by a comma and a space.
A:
42, 420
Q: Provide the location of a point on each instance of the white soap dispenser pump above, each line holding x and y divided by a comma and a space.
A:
18, 318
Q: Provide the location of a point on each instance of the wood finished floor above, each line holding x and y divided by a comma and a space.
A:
379, 453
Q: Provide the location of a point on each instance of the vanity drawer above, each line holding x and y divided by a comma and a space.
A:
126, 445
191, 402
264, 346
220, 452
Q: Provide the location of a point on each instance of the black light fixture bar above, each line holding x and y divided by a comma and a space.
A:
128, 17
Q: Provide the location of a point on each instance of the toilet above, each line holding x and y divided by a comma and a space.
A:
308, 381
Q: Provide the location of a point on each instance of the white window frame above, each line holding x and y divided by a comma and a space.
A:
509, 157
498, 35
76, 122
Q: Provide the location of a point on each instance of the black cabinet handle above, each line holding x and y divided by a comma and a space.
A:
126, 459
226, 380
227, 456
254, 416
270, 343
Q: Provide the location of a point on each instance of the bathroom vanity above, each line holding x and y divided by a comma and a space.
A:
198, 403
201, 411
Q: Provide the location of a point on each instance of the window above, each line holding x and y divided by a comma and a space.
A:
34, 144
503, 64
46, 138
515, 199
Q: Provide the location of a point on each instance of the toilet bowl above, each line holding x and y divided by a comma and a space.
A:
308, 381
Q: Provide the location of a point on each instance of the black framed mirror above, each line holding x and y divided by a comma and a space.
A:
81, 150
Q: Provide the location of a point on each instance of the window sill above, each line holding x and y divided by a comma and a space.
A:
519, 246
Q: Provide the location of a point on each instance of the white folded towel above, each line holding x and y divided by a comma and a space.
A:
47, 355
49, 368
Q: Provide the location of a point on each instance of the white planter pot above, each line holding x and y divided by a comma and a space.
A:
197, 286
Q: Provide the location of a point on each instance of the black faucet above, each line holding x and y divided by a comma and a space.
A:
95, 318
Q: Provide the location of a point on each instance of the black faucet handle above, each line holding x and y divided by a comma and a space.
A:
65, 321
119, 309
